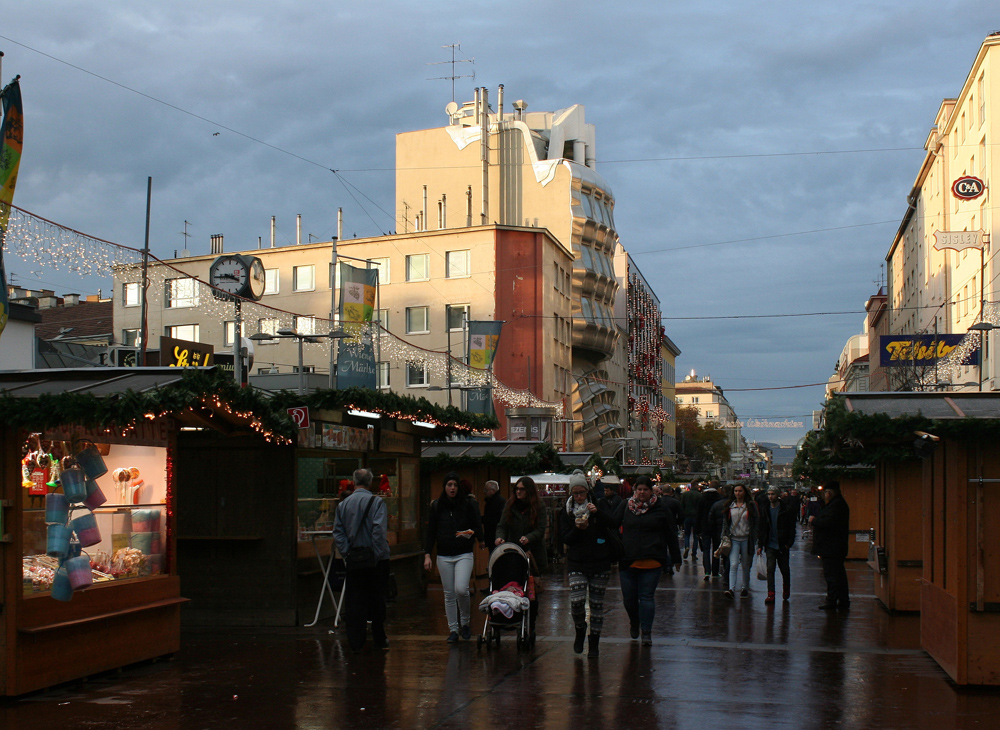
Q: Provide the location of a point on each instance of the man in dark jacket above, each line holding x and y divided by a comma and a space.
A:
775, 536
830, 531
690, 500
709, 539
611, 498
492, 512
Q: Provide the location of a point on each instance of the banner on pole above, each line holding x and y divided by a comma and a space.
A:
356, 365
483, 339
11, 141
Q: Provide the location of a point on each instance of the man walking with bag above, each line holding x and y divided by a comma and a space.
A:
359, 530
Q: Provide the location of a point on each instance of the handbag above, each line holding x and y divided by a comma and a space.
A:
616, 548
725, 545
760, 565
361, 557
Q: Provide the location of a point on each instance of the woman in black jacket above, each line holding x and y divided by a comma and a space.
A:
649, 535
454, 525
584, 529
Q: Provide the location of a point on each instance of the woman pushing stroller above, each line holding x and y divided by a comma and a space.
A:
523, 522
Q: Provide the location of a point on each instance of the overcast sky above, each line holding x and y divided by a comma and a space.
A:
701, 110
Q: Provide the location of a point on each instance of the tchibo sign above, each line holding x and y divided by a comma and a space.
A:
967, 188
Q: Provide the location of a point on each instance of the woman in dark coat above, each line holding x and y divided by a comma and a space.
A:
649, 535
453, 526
524, 520
584, 528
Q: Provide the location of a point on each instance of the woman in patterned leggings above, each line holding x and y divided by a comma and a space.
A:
583, 529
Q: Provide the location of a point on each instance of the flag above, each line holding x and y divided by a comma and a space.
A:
11, 138
356, 356
483, 339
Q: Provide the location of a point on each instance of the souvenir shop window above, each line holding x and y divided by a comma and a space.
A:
322, 483
93, 514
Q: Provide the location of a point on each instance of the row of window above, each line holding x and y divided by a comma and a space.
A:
597, 313
596, 260
183, 292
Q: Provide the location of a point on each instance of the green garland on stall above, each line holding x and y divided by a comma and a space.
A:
852, 442
542, 458
390, 404
121, 410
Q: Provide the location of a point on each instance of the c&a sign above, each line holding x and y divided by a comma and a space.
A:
968, 187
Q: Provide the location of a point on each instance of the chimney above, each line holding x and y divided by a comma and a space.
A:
216, 243
71, 300
298, 229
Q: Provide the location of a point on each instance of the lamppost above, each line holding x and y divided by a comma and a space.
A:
983, 328
287, 333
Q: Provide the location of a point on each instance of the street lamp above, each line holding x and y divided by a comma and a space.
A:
287, 333
983, 328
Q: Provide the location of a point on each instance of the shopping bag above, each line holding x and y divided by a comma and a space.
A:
760, 565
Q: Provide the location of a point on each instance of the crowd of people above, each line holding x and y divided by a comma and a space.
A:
642, 531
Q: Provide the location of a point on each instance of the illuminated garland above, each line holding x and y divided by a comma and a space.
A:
947, 368
645, 363
40, 241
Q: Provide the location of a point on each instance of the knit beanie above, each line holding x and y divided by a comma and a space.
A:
578, 479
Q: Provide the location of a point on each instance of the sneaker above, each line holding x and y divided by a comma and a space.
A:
465, 633
647, 638
453, 637
770, 598
707, 577
633, 631
730, 593
685, 553
744, 593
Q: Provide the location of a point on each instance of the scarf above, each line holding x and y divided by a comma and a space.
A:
577, 510
640, 508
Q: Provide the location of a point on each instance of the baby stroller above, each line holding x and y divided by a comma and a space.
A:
509, 571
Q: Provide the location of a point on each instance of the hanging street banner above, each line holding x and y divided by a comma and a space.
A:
356, 355
483, 339
11, 140
903, 351
958, 240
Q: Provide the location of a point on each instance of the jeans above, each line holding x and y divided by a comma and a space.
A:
364, 601
455, 572
836, 582
709, 544
779, 556
739, 557
690, 538
638, 592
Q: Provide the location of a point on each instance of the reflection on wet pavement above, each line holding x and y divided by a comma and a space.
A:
715, 662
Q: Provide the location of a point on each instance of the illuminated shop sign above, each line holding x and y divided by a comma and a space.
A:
900, 351
967, 187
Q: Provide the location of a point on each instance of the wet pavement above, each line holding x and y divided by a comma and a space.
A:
715, 663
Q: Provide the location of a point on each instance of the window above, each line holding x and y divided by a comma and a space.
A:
268, 327
304, 278
383, 375
271, 281
457, 315
230, 333
416, 375
187, 332
182, 293
383, 270
305, 325
588, 309
456, 264
382, 317
694, 399
417, 320
130, 338
130, 294
418, 267
982, 99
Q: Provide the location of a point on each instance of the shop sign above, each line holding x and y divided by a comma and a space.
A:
958, 240
968, 187
395, 443
346, 438
145, 433
184, 354
899, 351
300, 414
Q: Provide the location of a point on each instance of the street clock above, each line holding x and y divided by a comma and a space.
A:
234, 276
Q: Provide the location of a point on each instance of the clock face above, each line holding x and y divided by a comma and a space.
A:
230, 274
257, 279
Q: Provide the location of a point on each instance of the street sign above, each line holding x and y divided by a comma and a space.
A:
958, 240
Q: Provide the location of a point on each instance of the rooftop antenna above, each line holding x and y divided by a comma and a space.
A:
454, 48
186, 234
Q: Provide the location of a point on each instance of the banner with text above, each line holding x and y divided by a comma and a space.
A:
905, 351
356, 356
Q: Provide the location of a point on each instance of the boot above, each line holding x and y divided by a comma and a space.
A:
770, 597
786, 593
647, 638
581, 634
595, 649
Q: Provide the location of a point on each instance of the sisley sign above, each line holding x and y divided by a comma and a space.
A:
968, 187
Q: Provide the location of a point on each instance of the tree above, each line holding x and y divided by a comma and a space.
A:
707, 443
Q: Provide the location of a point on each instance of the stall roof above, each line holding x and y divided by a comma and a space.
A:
502, 449
95, 381
942, 406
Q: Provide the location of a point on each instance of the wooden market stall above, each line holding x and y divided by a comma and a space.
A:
88, 548
954, 435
